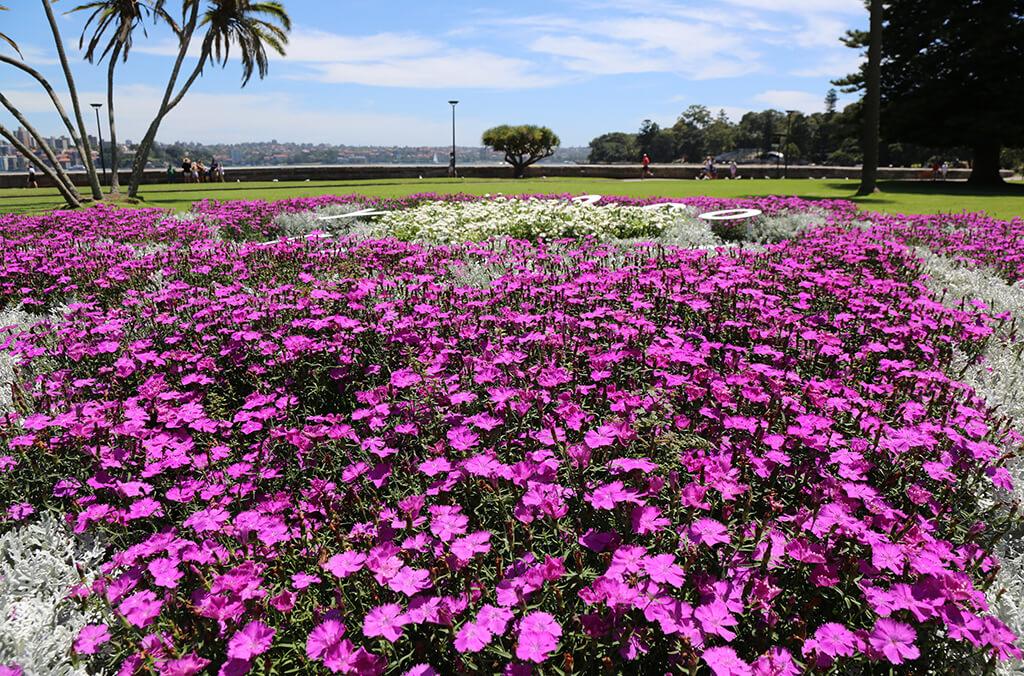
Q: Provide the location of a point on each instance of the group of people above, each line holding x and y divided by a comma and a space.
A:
940, 170
195, 171
708, 172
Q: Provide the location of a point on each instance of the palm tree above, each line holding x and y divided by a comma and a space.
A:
124, 17
54, 171
12, 43
872, 102
253, 26
90, 168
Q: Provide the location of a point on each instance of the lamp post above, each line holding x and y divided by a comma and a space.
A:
451, 161
785, 149
99, 132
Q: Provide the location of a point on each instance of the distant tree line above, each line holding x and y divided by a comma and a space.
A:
832, 137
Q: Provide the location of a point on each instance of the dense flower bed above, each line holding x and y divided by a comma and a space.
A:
335, 455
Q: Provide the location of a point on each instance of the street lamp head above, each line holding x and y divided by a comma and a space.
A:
453, 102
97, 106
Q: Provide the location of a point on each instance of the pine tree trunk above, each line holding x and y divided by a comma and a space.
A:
90, 168
985, 168
872, 104
115, 181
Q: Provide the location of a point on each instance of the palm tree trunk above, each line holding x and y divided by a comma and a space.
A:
53, 97
72, 198
61, 175
146, 145
90, 168
872, 104
115, 181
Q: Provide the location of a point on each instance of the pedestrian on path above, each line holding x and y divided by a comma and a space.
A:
645, 169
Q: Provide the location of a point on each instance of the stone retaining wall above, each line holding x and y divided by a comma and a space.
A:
386, 171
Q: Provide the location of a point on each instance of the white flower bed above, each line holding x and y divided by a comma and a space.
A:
451, 222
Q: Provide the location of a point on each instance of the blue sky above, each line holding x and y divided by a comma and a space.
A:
361, 72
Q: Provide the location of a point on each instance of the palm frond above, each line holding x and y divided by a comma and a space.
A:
12, 43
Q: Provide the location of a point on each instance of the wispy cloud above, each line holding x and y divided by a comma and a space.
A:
785, 99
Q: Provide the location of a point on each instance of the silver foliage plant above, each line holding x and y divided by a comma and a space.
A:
40, 562
303, 223
999, 379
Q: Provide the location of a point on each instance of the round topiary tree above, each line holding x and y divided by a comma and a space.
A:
523, 144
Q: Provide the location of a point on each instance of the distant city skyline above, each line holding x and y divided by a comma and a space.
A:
373, 74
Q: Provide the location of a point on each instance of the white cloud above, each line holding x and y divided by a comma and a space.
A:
468, 69
832, 66
598, 58
805, 7
245, 117
783, 99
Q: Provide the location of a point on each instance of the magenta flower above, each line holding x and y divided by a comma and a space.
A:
303, 580
410, 581
709, 532
715, 618
724, 661
495, 619
833, 640
251, 640
141, 608
386, 621
327, 643
405, 378
188, 665
90, 638
538, 637
776, 662
895, 640
472, 637
165, 572
662, 568
345, 564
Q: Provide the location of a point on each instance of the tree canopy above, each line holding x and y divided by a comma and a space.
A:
951, 76
523, 144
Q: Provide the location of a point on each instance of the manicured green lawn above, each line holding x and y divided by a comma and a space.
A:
898, 197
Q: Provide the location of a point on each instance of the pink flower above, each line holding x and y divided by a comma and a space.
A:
715, 618
895, 640
404, 378
327, 643
462, 438
251, 640
303, 580
833, 640
776, 662
90, 638
20, 511
184, 666
648, 520
662, 568
165, 572
472, 638
386, 621
725, 662
410, 581
538, 637
141, 608
345, 564
465, 548
709, 532
494, 618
